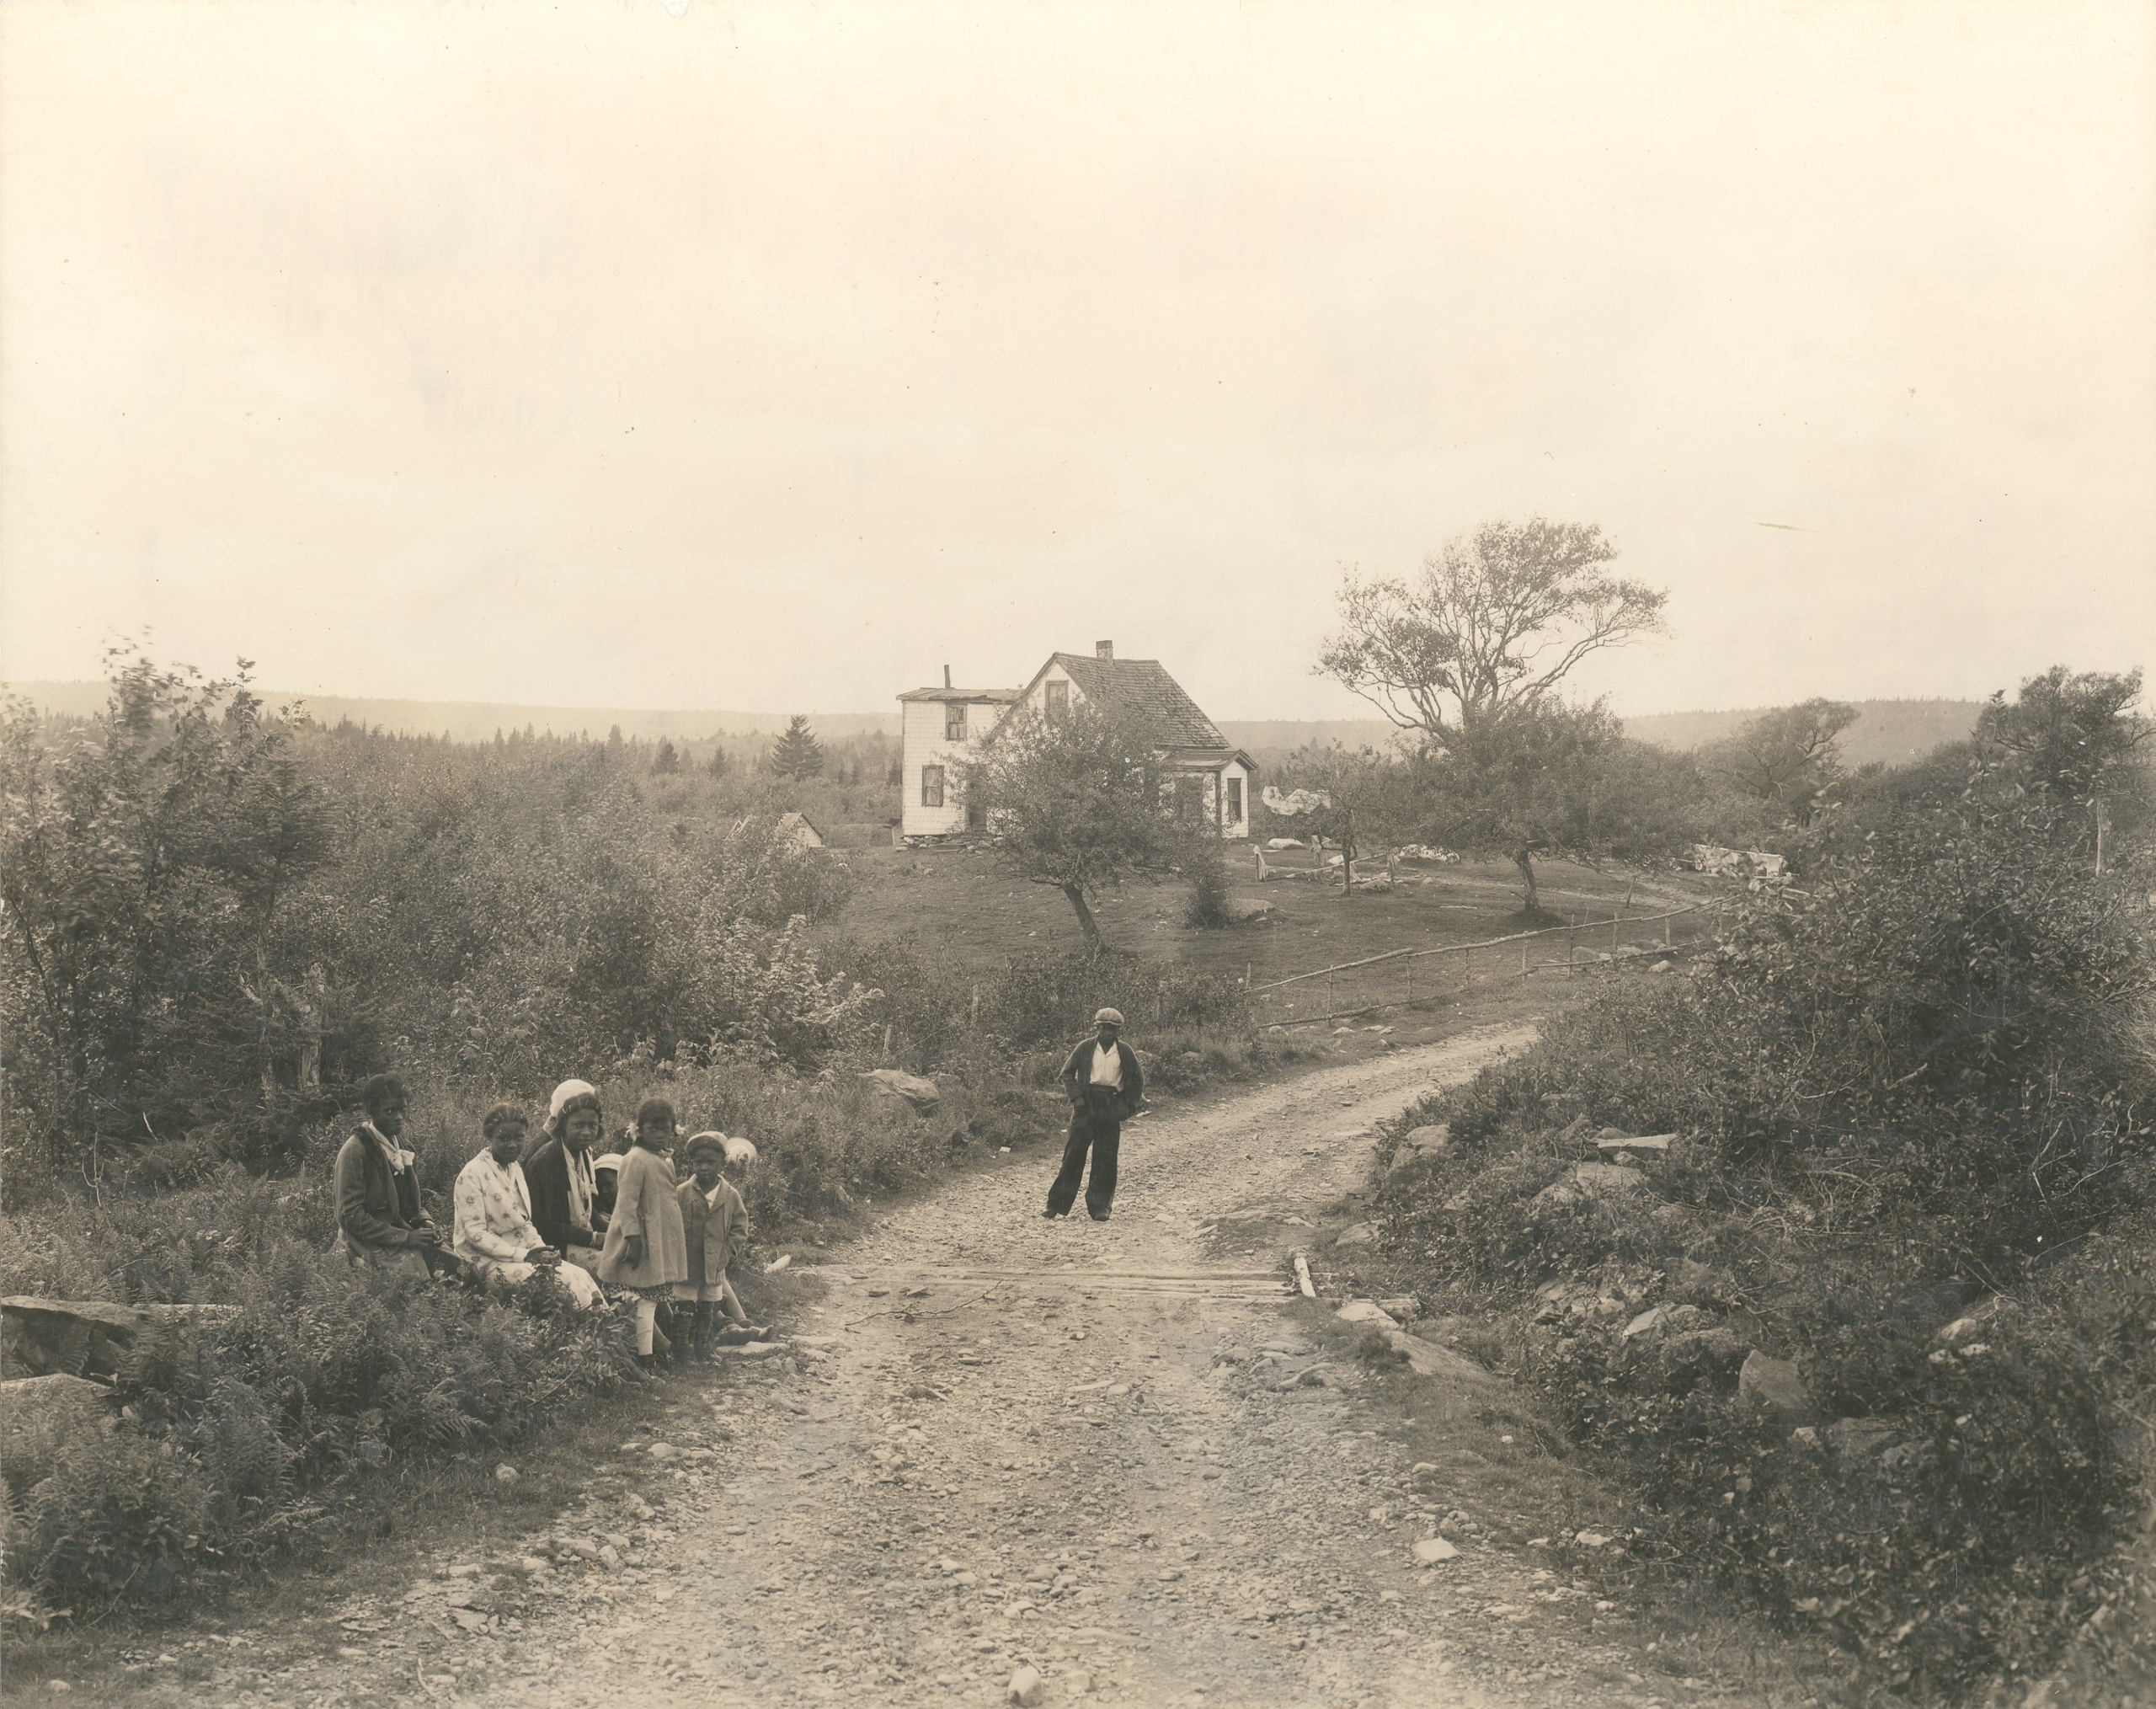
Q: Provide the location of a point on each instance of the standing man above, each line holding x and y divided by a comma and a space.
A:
1106, 1088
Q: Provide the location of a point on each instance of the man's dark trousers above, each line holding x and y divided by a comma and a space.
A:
1097, 1123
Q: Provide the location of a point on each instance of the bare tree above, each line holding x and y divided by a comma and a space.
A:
1493, 625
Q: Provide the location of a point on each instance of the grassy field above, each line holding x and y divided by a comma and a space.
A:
957, 899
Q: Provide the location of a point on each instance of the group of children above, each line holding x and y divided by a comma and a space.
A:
670, 1243
665, 1243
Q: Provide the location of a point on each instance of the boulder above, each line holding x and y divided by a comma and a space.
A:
1404, 1306
1241, 910
920, 1094
86, 1337
1853, 1440
1357, 1234
1427, 1359
1665, 1319
1025, 1688
1429, 1551
1367, 1311
38, 1413
1774, 1385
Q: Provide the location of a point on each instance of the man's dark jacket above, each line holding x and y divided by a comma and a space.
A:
547, 1176
1078, 1072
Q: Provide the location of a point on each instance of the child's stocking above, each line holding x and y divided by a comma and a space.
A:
646, 1317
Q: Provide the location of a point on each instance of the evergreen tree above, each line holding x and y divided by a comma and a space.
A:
719, 763
796, 753
666, 761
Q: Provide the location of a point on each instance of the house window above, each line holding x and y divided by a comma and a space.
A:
1058, 699
954, 721
932, 786
1234, 800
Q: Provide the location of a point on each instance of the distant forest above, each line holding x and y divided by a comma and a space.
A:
1890, 731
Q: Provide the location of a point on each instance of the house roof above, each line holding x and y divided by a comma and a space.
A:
1142, 686
1210, 758
1000, 696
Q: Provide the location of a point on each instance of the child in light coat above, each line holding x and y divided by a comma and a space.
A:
647, 1248
717, 1224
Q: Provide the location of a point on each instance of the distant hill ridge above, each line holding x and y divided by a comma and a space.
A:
1889, 730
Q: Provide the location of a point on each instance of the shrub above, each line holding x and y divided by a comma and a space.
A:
1920, 1082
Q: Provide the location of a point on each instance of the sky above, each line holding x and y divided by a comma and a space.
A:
776, 355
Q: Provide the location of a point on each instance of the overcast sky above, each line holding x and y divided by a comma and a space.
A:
774, 355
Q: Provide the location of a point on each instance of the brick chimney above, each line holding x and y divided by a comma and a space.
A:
1104, 650
947, 676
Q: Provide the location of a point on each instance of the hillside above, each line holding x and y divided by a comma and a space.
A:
473, 721
1891, 731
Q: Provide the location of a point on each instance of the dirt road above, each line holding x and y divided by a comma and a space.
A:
1007, 1443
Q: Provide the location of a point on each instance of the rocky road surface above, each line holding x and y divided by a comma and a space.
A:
1014, 1460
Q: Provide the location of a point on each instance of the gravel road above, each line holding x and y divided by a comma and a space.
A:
1002, 1442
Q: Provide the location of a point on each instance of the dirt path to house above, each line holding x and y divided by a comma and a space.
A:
1084, 1448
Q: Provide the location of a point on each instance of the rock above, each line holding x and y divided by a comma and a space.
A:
1773, 1385
88, 1337
1357, 1234
38, 1413
1657, 1144
1025, 1688
1079, 1684
1427, 1359
1590, 1540
535, 1564
1647, 1322
1660, 967
920, 1094
1366, 1311
1240, 911
504, 1473
667, 1450
1404, 1306
1608, 1178
610, 1557
1429, 1551
1859, 1438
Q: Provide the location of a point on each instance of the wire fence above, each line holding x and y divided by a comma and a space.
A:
1403, 978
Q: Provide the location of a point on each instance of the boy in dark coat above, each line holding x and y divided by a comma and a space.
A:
1106, 1088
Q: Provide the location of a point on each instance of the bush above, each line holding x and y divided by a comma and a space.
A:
1208, 908
1920, 1084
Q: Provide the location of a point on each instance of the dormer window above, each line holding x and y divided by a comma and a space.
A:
1058, 699
954, 721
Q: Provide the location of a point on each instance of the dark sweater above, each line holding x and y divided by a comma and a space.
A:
377, 1204
547, 1175
1078, 1072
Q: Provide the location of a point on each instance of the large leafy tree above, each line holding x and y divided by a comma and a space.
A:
2078, 735
1784, 758
149, 863
1493, 625
1554, 782
1076, 803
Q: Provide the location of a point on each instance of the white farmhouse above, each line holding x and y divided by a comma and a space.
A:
944, 726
